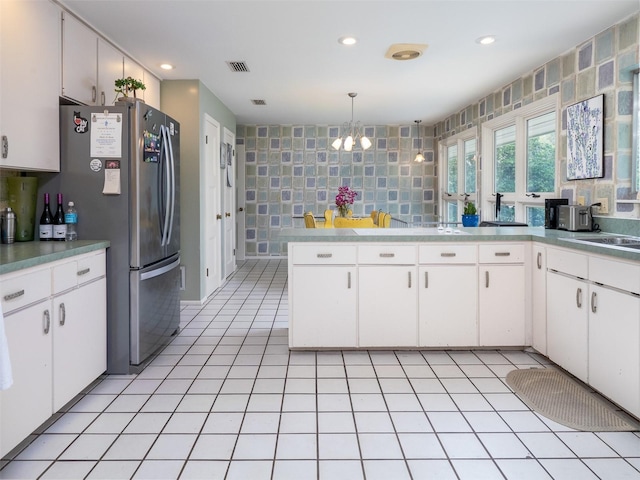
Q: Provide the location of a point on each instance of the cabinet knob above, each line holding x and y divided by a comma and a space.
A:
46, 320
594, 306
5, 146
218, 217
539, 260
63, 314
579, 298
227, 214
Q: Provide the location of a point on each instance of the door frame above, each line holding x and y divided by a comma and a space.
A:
211, 270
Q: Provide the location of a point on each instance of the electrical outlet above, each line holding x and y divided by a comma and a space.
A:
604, 207
581, 200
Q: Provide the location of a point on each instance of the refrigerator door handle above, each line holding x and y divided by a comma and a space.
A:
159, 271
173, 183
166, 191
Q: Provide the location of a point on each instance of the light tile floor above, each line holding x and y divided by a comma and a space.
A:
227, 399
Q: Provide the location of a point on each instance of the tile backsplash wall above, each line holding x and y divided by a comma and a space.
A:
600, 65
290, 170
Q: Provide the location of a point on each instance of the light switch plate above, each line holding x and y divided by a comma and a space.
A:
604, 207
580, 200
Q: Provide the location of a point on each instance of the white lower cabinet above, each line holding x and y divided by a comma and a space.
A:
55, 324
79, 332
27, 403
387, 306
568, 323
448, 305
501, 295
539, 298
614, 346
323, 306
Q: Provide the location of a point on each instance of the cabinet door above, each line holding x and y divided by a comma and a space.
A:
323, 306
614, 346
134, 70
79, 61
567, 323
79, 340
27, 404
539, 299
448, 306
110, 68
30, 85
387, 306
152, 92
501, 305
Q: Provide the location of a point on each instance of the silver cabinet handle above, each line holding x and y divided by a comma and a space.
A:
46, 320
594, 306
324, 255
448, 254
102, 98
579, 298
409, 279
387, 255
5, 146
426, 279
502, 254
14, 295
94, 93
539, 260
83, 271
348, 279
486, 279
63, 314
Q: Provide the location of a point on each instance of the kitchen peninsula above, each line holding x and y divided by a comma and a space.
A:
490, 287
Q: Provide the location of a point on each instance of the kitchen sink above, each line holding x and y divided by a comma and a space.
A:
610, 241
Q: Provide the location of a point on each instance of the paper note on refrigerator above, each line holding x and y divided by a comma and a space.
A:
111, 178
106, 135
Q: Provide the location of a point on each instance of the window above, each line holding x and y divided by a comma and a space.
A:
460, 166
520, 154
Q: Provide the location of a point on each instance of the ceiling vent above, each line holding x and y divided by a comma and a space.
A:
258, 101
405, 51
238, 66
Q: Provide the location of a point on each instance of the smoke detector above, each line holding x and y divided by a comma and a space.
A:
405, 51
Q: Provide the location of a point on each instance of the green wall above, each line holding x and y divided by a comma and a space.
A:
187, 101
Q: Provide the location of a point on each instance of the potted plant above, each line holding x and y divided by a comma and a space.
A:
470, 215
125, 86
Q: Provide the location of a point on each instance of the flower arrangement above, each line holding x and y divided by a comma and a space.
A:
344, 200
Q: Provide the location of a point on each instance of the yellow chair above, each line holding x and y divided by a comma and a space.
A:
309, 220
384, 220
328, 218
374, 217
344, 222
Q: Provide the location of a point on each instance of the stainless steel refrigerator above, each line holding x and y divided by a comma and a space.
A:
120, 165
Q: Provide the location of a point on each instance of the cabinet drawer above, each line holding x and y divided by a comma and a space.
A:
90, 267
501, 253
64, 276
323, 254
624, 276
19, 291
387, 254
448, 254
568, 262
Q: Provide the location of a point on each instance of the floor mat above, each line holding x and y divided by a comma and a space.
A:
557, 396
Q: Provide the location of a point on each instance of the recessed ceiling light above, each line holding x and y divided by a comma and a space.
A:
347, 40
166, 66
486, 40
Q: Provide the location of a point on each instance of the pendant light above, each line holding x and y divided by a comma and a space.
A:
351, 133
419, 157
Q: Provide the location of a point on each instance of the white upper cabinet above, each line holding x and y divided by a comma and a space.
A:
79, 61
90, 65
29, 84
110, 68
135, 71
152, 93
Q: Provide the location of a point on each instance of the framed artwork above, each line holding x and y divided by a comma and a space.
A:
585, 152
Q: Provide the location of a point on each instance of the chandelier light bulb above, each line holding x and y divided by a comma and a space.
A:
337, 143
365, 143
348, 143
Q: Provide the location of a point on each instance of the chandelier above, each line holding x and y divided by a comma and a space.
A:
351, 133
419, 157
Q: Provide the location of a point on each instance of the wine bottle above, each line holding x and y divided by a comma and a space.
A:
46, 221
59, 227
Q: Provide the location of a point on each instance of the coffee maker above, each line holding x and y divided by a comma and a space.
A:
551, 211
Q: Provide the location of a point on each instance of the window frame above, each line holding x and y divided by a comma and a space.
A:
446, 198
518, 199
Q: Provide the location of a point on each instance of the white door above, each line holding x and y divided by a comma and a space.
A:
212, 212
230, 187
240, 207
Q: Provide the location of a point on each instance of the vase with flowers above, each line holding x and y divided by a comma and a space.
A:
344, 200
